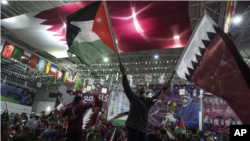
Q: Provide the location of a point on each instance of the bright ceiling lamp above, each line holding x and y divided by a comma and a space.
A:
156, 56
48, 108
176, 37
105, 59
237, 19
4, 1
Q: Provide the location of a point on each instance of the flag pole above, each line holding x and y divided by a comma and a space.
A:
110, 27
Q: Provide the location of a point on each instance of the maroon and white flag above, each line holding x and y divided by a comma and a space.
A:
211, 61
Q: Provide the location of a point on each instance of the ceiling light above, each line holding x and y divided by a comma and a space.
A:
156, 56
176, 37
105, 59
4, 1
48, 108
237, 19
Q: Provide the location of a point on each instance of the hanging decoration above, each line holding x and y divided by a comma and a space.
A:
91, 81
107, 77
148, 78
4, 81
162, 79
102, 81
39, 85
172, 86
25, 84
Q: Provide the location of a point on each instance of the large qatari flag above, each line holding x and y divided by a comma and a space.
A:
213, 63
148, 25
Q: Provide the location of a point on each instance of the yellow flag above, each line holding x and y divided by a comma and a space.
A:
48, 65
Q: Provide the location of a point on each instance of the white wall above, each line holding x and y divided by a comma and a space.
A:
39, 106
16, 108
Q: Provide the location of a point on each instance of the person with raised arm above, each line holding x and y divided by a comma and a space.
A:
140, 105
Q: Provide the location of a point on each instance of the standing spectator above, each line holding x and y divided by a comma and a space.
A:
75, 116
155, 135
192, 132
163, 134
122, 136
40, 127
32, 122
5, 132
103, 133
18, 129
200, 135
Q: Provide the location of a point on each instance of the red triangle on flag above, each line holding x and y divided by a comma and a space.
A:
181, 124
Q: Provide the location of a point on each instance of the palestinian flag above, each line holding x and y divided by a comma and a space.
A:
48, 66
33, 61
8, 50
212, 61
88, 34
18, 52
25, 59
179, 127
120, 119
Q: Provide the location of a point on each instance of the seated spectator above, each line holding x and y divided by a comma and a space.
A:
155, 135
18, 129
52, 134
5, 132
122, 136
163, 134
27, 129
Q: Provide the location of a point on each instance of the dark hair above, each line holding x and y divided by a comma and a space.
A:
76, 100
219, 117
230, 117
58, 126
17, 128
155, 128
45, 135
43, 112
193, 130
91, 136
24, 137
4, 126
163, 131
200, 133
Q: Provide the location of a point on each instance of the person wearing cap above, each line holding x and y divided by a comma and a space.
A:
75, 115
189, 112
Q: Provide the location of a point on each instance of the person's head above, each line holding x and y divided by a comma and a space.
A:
122, 135
207, 119
141, 88
6, 121
207, 99
44, 136
192, 131
32, 115
27, 129
163, 132
5, 132
58, 127
24, 137
19, 128
17, 123
217, 100
187, 98
230, 120
77, 100
60, 137
156, 130
199, 133
91, 137
218, 120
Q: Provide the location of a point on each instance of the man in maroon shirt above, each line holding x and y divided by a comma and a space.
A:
75, 117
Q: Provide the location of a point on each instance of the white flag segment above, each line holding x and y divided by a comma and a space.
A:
31, 30
192, 50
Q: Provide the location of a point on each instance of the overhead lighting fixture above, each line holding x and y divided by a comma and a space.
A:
4, 1
176, 37
156, 56
105, 59
48, 108
237, 19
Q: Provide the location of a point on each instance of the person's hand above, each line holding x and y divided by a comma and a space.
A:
170, 117
122, 69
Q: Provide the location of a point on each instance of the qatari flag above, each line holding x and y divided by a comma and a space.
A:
212, 62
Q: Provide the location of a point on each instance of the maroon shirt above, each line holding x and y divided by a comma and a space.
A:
75, 117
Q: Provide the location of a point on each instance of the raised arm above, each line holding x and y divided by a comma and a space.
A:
125, 83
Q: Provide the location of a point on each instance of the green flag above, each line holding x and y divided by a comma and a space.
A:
17, 54
77, 82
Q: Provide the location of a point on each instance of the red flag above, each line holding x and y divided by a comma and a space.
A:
213, 63
59, 73
8, 50
33, 61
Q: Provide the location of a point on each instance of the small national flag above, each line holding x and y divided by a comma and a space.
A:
8, 50
179, 127
81, 85
59, 73
65, 76
53, 70
73, 80
41, 65
69, 79
88, 34
33, 61
112, 136
18, 52
85, 84
25, 59
48, 66
212, 61
2, 43
77, 83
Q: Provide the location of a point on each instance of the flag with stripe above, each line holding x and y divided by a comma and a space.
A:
65, 76
48, 66
180, 127
33, 61
41, 65
59, 73
81, 85
2, 44
25, 59
212, 61
88, 34
53, 70
77, 83
8, 50
18, 52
